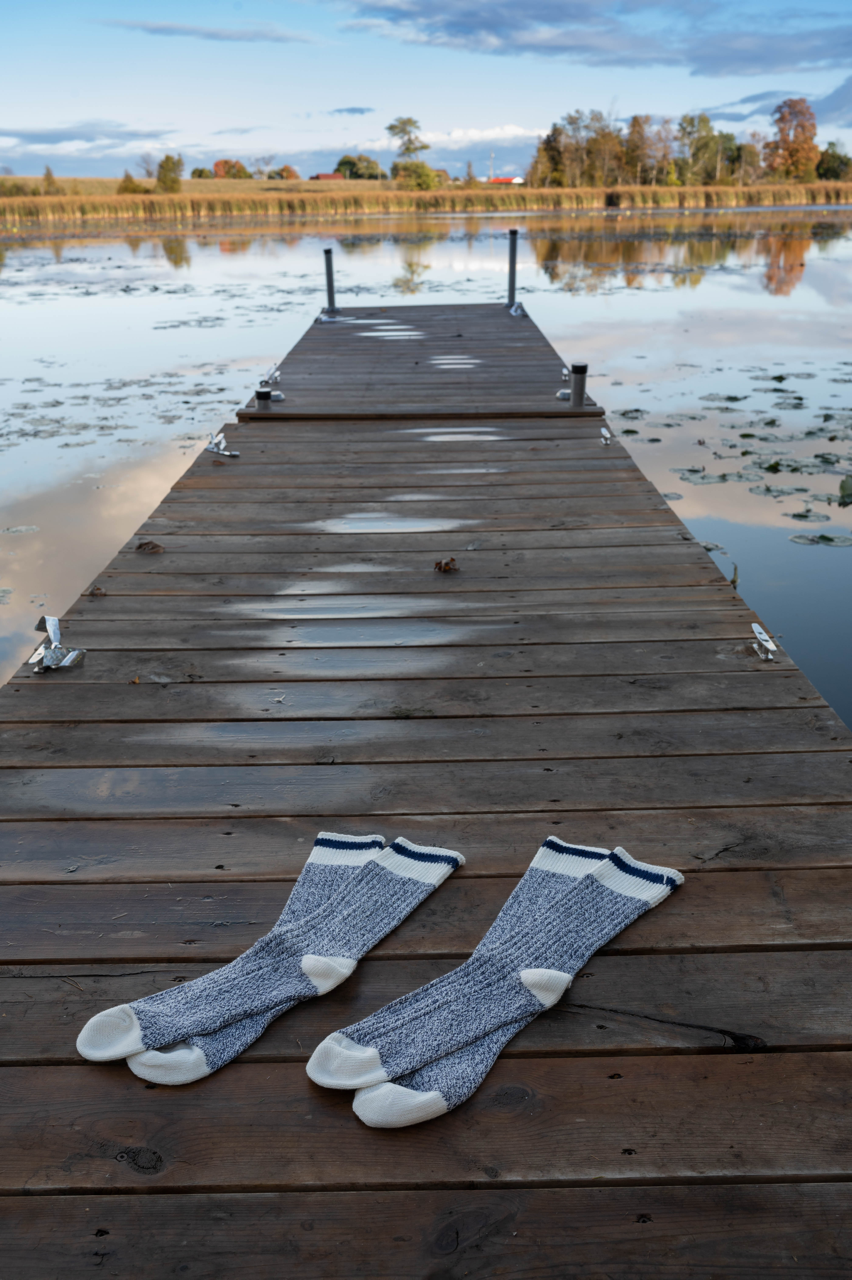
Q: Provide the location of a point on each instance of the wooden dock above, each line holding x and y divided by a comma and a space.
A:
290, 660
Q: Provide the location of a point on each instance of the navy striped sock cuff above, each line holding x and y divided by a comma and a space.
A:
332, 850
635, 879
427, 863
568, 859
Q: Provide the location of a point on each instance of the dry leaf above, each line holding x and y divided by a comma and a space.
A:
95, 591
136, 681
151, 547
217, 463
446, 566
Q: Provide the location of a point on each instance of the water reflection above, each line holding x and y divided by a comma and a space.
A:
666, 250
717, 342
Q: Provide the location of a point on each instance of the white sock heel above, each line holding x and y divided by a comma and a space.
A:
340, 1063
110, 1035
178, 1064
392, 1106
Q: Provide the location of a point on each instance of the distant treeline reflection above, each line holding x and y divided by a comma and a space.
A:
583, 253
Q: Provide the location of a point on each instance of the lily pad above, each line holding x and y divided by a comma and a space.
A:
811, 517
777, 490
821, 539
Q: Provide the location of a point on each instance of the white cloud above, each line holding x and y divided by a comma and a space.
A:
240, 35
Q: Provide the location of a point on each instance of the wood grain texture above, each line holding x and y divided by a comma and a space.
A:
159, 923
712, 1003
113, 666
535, 1122
396, 789
262, 849
421, 739
728, 621
437, 604
541, 697
737, 1231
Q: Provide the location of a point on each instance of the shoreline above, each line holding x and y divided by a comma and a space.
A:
22, 217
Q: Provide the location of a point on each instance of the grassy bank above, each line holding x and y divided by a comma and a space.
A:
279, 203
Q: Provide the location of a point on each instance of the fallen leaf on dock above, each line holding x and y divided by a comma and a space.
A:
446, 566
152, 548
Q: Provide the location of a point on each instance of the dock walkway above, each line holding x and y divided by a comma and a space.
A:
290, 660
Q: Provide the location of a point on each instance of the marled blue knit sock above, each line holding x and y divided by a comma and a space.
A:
331, 863
554, 920
293, 962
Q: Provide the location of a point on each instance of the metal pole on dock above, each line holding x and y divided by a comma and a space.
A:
578, 385
329, 279
513, 266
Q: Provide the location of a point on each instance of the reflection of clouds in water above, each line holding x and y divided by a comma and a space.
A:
378, 522
141, 345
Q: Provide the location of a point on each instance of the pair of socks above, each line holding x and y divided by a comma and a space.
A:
352, 892
430, 1050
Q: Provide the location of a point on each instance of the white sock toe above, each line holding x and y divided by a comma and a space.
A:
391, 1106
178, 1064
340, 1063
115, 1033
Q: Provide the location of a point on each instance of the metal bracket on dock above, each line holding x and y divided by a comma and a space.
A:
51, 654
765, 646
517, 309
219, 446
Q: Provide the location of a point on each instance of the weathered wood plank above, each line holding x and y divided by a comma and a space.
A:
639, 1004
535, 1121
364, 544
158, 923
101, 743
51, 699
380, 563
471, 516
601, 626
109, 666
451, 604
233, 848
244, 521
482, 787
422, 580
704, 1232
621, 490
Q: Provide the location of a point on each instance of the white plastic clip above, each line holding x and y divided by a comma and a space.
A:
765, 646
51, 654
219, 445
606, 435
566, 374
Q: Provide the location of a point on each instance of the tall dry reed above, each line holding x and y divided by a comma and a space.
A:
23, 215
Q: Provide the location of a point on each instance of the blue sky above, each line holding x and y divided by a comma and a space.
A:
88, 86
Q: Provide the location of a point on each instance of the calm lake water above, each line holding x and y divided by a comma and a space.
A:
720, 345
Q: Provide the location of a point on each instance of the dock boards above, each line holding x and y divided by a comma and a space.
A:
289, 659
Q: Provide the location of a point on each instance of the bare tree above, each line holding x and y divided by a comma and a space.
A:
147, 165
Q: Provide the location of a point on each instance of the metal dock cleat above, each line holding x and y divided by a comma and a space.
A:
219, 445
52, 654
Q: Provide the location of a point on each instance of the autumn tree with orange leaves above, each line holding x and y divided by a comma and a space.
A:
793, 153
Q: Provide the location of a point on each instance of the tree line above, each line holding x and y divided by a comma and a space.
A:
590, 149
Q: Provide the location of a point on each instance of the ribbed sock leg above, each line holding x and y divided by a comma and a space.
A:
331, 864
222, 1013
549, 927
409, 1033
